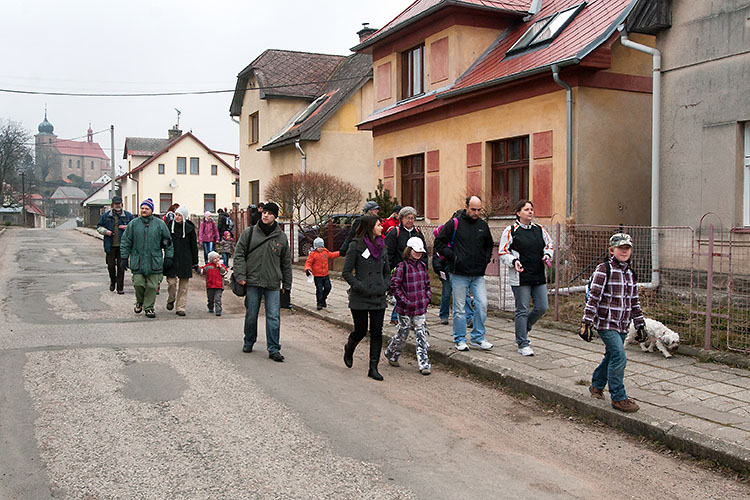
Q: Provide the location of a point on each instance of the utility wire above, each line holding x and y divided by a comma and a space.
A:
159, 94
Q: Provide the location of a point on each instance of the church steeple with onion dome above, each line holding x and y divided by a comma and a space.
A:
45, 127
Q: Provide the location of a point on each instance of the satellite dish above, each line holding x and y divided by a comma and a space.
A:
173, 183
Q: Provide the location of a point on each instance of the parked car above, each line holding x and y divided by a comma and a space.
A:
342, 223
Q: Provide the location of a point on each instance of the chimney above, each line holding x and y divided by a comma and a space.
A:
173, 133
365, 32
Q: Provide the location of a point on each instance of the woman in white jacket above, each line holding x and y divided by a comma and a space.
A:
526, 249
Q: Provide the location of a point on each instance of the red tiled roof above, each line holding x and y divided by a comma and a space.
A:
590, 28
422, 7
74, 148
34, 209
586, 28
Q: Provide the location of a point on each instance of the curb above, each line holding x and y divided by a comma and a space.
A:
672, 435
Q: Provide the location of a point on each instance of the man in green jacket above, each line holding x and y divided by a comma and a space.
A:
263, 263
146, 248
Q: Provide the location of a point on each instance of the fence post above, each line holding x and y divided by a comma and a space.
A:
330, 241
557, 270
709, 288
291, 239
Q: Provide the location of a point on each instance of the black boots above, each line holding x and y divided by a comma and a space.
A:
349, 353
373, 373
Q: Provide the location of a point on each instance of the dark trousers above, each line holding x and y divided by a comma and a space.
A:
360, 318
114, 266
322, 289
214, 299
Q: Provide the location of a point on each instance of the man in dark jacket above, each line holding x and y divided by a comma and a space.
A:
263, 263
468, 251
395, 243
111, 225
255, 213
185, 243
370, 208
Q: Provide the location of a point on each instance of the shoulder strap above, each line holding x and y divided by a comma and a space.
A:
608, 267
455, 228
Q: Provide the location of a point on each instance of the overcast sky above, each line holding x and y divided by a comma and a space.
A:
157, 46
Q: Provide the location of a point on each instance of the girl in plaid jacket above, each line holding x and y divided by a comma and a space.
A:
410, 285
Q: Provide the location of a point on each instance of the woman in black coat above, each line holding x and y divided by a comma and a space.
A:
367, 272
185, 259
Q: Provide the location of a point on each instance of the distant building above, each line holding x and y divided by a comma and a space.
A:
179, 169
70, 196
85, 159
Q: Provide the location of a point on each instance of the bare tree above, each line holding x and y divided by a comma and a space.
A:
46, 161
322, 194
15, 153
327, 194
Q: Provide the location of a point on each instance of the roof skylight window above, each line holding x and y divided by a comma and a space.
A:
546, 29
311, 109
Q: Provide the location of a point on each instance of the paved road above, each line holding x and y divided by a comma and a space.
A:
96, 402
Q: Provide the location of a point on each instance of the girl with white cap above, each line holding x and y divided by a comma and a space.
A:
410, 284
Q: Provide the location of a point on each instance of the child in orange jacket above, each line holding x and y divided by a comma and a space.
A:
316, 265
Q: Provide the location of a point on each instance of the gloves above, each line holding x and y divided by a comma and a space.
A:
587, 332
196, 268
167, 262
640, 335
308, 272
124, 264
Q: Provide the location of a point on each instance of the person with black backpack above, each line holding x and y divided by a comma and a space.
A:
526, 249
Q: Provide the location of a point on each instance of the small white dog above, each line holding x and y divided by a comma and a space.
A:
659, 336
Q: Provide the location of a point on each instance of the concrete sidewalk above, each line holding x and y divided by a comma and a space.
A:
700, 408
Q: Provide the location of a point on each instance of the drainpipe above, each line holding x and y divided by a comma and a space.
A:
568, 139
655, 150
304, 170
235, 120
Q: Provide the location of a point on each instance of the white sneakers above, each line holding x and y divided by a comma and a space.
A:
483, 345
526, 351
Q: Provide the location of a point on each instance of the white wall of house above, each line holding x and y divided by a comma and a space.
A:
188, 189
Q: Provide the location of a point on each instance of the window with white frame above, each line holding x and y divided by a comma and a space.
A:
194, 166
214, 170
746, 158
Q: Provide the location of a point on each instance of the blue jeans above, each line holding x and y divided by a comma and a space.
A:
612, 368
461, 285
208, 246
273, 316
525, 319
445, 301
225, 258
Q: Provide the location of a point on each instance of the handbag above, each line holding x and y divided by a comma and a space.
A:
237, 289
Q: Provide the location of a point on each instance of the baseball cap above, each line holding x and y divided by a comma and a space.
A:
620, 240
415, 244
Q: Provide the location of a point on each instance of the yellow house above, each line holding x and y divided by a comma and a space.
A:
471, 97
180, 169
298, 104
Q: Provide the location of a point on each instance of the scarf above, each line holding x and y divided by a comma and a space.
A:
376, 247
266, 228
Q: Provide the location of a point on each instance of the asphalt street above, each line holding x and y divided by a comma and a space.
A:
98, 402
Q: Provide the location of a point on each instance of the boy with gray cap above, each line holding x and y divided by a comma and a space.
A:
611, 305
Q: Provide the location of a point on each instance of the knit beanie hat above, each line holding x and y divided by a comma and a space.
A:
318, 243
227, 235
185, 215
207, 214
271, 207
211, 256
149, 203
